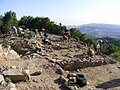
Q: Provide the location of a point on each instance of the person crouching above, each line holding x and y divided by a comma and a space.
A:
91, 52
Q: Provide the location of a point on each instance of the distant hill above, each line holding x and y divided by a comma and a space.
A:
99, 30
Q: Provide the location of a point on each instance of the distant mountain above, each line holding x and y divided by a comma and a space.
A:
99, 30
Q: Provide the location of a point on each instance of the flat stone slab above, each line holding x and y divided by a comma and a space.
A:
15, 75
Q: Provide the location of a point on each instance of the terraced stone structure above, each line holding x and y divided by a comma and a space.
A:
74, 64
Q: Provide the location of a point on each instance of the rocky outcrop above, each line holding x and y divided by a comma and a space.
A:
8, 53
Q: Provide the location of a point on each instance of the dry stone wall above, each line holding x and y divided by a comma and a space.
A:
74, 64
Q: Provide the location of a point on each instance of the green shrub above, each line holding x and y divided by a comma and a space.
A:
7, 79
109, 49
116, 55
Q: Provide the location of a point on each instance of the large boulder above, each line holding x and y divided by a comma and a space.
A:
15, 75
19, 48
8, 53
1, 78
12, 55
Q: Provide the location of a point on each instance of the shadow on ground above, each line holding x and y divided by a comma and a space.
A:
109, 84
78, 56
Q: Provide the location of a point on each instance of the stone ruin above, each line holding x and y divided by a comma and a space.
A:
27, 48
75, 63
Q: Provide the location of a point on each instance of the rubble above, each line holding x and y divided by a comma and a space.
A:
28, 50
59, 47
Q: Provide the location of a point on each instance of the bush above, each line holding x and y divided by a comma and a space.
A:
116, 55
7, 79
109, 49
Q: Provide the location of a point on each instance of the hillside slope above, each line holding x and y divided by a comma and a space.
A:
104, 76
99, 30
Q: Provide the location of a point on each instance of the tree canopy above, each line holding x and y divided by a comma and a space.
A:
9, 19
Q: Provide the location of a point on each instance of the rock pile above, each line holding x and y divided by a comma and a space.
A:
74, 63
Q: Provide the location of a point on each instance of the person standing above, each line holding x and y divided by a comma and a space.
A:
66, 36
14, 30
42, 33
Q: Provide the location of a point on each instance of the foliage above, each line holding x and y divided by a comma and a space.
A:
75, 33
1, 22
79, 36
112, 50
41, 22
26, 22
109, 49
116, 55
7, 21
7, 79
116, 42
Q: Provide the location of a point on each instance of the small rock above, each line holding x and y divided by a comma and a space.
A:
36, 73
13, 67
34, 80
91, 88
1, 78
62, 79
59, 70
88, 83
43, 54
47, 55
11, 85
13, 89
53, 60
3, 83
26, 72
118, 67
76, 88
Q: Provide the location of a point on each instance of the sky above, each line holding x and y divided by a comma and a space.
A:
67, 12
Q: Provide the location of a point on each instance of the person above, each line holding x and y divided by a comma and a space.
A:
44, 37
97, 48
42, 33
66, 35
99, 45
14, 30
36, 31
91, 52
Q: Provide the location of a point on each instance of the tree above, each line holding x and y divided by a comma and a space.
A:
41, 22
109, 49
9, 20
1, 23
75, 33
26, 22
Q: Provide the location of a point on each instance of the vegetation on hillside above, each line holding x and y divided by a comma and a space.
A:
116, 42
112, 50
9, 20
112, 47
